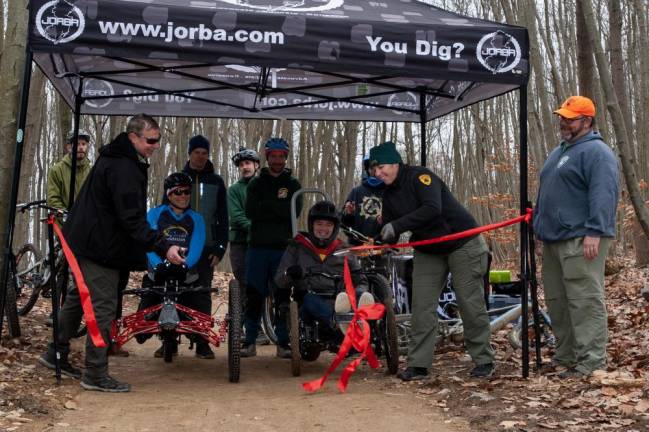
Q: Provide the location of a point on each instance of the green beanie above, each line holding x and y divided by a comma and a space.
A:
385, 153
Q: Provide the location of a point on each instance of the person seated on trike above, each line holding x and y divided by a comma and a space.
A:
307, 261
180, 226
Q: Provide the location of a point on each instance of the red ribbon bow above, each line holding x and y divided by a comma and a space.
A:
84, 293
357, 336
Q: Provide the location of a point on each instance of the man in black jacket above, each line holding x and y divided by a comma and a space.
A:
209, 198
417, 200
107, 231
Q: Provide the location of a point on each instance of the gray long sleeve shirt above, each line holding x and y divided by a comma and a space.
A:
578, 191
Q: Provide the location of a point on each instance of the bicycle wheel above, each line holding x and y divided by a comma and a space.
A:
11, 312
388, 324
294, 336
515, 336
29, 271
234, 331
168, 346
268, 318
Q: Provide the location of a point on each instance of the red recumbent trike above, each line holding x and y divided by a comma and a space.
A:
169, 320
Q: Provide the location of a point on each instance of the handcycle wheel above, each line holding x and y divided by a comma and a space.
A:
29, 268
388, 324
268, 318
234, 331
11, 312
294, 335
168, 346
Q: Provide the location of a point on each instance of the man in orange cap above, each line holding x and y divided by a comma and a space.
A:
575, 220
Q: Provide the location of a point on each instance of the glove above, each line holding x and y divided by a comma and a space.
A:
295, 272
387, 232
160, 272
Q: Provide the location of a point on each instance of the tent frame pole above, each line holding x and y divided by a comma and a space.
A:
18, 156
75, 143
422, 125
524, 229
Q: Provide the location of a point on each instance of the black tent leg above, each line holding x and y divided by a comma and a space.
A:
522, 115
422, 125
55, 302
18, 157
535, 299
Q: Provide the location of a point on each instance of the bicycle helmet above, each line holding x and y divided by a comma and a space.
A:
177, 179
279, 144
245, 154
83, 134
323, 210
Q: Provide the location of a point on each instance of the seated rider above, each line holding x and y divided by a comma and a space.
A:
181, 226
313, 252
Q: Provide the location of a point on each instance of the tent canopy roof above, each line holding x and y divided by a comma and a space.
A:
398, 60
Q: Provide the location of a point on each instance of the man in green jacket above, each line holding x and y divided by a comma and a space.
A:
247, 163
58, 178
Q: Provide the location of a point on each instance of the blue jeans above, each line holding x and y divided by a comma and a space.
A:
262, 264
315, 307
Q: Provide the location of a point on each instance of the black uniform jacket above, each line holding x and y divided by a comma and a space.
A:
420, 202
107, 223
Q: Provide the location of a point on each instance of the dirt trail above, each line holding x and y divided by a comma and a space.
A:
195, 395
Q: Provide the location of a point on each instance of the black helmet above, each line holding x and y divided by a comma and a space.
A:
177, 179
324, 210
245, 154
83, 134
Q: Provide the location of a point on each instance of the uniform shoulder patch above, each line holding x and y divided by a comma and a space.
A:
425, 179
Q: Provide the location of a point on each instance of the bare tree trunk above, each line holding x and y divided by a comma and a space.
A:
623, 142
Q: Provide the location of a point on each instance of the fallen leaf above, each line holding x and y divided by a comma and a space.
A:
609, 391
642, 406
548, 425
626, 409
70, 405
509, 424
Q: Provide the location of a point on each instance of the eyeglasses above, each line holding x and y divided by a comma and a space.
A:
572, 120
179, 192
150, 141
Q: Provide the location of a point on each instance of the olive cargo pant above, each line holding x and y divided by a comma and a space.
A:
574, 293
468, 265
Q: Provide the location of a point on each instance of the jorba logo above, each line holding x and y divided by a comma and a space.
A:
288, 5
499, 52
60, 21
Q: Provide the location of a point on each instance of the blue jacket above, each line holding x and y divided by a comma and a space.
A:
186, 230
578, 191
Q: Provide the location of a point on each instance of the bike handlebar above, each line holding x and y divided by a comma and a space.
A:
23, 207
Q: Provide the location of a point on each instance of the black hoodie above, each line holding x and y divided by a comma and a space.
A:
107, 223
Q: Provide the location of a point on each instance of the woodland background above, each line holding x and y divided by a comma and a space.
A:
598, 48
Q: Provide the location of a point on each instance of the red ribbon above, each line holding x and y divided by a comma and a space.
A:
527, 217
357, 336
84, 293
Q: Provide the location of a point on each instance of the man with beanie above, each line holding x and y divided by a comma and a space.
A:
209, 199
362, 210
268, 207
417, 200
575, 219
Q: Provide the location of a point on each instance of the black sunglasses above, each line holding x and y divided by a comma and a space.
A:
179, 192
150, 141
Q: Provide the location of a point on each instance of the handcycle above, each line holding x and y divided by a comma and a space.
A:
169, 319
309, 339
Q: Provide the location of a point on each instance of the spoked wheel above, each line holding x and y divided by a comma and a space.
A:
294, 335
268, 318
29, 271
388, 324
515, 336
234, 331
169, 345
11, 312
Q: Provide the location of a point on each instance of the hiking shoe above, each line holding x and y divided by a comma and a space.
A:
482, 371
66, 368
104, 383
572, 373
116, 351
203, 351
283, 352
160, 352
248, 351
342, 304
413, 374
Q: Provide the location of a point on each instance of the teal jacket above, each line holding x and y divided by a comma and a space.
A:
268, 206
239, 223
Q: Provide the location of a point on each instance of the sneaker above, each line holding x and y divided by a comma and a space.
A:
159, 353
104, 383
572, 373
262, 339
342, 305
142, 337
248, 351
283, 352
365, 299
482, 371
413, 374
116, 351
66, 368
203, 351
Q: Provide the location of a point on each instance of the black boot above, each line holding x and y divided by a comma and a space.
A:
48, 359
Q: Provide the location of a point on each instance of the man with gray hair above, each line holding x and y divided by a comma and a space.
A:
107, 231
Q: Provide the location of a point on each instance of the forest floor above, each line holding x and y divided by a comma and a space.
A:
191, 393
